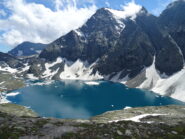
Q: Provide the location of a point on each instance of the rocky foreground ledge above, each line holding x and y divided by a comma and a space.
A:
166, 122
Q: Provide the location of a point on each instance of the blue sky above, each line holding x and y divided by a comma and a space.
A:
45, 20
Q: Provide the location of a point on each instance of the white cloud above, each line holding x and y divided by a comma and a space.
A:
130, 9
37, 23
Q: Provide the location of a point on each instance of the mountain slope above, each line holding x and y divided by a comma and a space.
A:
27, 49
9, 60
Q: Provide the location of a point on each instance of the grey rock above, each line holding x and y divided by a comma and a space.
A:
128, 133
119, 133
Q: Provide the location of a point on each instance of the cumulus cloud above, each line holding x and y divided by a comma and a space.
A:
37, 23
130, 9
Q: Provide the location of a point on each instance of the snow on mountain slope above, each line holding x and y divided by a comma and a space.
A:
152, 77
79, 70
173, 86
8, 69
48, 72
67, 70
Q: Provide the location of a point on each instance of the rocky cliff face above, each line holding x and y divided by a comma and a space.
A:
140, 41
89, 42
172, 20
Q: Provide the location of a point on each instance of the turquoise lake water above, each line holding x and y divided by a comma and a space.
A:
76, 99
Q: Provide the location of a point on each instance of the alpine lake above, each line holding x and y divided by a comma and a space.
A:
82, 99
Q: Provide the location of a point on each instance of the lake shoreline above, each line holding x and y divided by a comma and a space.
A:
168, 122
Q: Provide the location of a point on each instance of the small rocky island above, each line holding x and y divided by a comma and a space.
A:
133, 123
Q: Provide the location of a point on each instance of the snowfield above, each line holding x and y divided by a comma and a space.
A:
8, 69
173, 86
79, 70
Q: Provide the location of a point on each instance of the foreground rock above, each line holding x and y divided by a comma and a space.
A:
16, 110
170, 125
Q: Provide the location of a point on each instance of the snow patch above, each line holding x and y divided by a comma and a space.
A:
26, 68
152, 77
92, 83
139, 117
48, 72
8, 69
127, 107
173, 86
32, 77
2, 83
78, 32
3, 98
136, 118
12, 94
79, 70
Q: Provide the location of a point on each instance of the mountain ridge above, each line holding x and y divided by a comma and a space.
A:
27, 49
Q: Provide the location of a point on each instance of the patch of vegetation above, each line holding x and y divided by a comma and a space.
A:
9, 82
